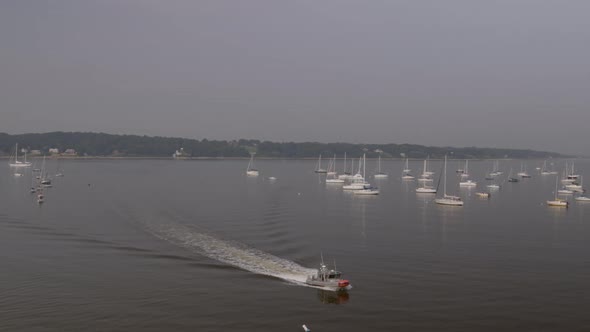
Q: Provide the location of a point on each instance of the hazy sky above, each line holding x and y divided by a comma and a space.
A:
485, 73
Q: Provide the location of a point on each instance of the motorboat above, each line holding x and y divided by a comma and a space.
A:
468, 183
426, 190
483, 194
368, 190
328, 279
558, 202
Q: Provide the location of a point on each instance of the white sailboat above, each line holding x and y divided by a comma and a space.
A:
448, 199
18, 163
496, 169
331, 175
466, 182
358, 181
523, 173
406, 172
319, 168
557, 201
250, 170
368, 189
332, 170
426, 171
426, 175
44, 178
380, 175
544, 170
59, 172
346, 175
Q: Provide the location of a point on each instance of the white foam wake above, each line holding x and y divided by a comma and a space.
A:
249, 259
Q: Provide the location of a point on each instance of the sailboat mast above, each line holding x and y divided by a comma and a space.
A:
445, 183
364, 166
344, 171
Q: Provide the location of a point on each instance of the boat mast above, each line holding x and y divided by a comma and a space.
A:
445, 179
364, 165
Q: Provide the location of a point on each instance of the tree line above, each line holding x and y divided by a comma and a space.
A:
102, 144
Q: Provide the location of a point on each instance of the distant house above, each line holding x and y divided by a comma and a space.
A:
54, 151
35, 152
70, 152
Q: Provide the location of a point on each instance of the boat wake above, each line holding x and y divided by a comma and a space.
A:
234, 254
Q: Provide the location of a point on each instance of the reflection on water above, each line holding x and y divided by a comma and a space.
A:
329, 297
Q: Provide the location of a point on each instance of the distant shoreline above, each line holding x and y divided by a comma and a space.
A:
258, 158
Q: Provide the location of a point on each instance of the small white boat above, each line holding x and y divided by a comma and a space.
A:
448, 199
565, 192
493, 186
379, 174
346, 175
319, 168
557, 201
582, 199
407, 167
328, 279
18, 175
358, 183
483, 194
426, 190
331, 175
367, 191
272, 178
18, 163
250, 170
358, 180
408, 177
332, 167
468, 183
426, 175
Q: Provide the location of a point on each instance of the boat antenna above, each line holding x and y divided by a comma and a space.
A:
335, 269
322, 256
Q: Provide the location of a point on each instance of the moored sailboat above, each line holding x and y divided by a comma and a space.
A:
448, 199
250, 170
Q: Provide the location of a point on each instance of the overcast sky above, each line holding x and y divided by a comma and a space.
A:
463, 73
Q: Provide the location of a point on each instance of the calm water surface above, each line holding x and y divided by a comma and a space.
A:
153, 245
